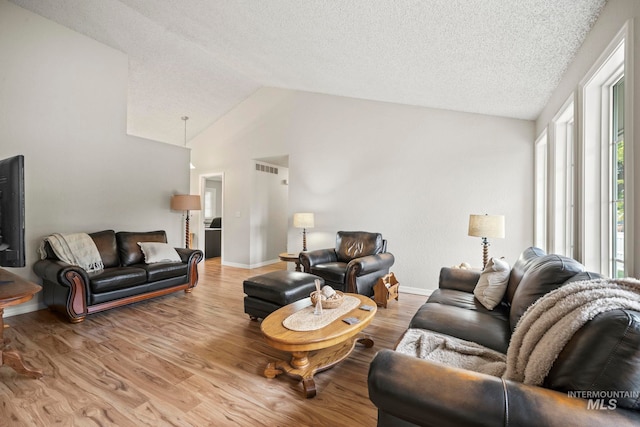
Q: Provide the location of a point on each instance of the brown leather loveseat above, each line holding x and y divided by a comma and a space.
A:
126, 278
595, 381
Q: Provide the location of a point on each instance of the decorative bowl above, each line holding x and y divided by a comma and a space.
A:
328, 303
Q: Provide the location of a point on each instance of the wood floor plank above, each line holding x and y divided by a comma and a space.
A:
182, 360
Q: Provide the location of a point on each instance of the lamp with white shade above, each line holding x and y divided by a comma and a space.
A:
303, 220
486, 226
186, 202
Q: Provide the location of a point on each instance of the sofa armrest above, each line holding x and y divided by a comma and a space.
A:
187, 254
73, 279
370, 263
56, 271
458, 279
319, 256
431, 394
191, 257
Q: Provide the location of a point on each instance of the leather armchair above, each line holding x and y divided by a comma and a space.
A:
358, 260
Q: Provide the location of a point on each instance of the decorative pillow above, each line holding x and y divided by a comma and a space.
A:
492, 283
158, 252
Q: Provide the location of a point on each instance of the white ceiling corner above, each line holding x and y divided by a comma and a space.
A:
202, 58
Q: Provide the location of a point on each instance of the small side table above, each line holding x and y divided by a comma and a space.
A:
15, 290
287, 257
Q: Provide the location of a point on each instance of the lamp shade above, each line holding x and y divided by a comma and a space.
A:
303, 220
185, 202
486, 226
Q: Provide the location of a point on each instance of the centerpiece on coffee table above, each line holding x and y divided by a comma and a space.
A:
329, 298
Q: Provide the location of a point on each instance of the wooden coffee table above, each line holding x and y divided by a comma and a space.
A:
15, 290
317, 350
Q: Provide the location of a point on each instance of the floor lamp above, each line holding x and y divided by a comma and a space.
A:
304, 221
486, 226
186, 202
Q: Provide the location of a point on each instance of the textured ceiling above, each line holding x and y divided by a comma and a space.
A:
200, 58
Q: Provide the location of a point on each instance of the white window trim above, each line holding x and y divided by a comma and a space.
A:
541, 191
592, 165
561, 175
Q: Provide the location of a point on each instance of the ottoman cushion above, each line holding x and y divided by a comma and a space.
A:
281, 287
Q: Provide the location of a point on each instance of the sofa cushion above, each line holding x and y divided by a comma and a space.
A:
106, 243
128, 248
543, 275
115, 278
333, 272
467, 301
519, 268
482, 327
158, 252
164, 270
604, 355
492, 283
356, 244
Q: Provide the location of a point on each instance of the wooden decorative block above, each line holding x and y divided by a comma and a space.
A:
385, 289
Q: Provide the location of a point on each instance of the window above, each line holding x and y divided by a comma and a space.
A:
601, 243
209, 203
583, 165
616, 153
540, 156
562, 177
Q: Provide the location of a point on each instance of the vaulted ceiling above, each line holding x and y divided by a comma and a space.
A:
201, 58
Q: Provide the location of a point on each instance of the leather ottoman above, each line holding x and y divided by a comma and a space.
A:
268, 292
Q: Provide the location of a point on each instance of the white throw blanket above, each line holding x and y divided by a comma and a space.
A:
548, 325
540, 335
452, 351
76, 249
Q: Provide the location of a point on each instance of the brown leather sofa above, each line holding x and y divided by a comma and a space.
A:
125, 278
604, 355
356, 263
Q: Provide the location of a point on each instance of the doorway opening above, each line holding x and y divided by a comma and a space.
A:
210, 227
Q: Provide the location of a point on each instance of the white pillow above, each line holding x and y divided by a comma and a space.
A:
492, 283
158, 252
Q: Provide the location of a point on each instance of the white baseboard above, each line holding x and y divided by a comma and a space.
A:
235, 264
27, 307
415, 291
250, 266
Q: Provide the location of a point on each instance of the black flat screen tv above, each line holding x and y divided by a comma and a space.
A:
12, 250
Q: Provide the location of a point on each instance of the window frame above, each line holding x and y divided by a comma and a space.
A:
593, 230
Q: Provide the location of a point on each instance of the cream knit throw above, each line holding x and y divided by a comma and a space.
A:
540, 335
451, 351
548, 325
76, 249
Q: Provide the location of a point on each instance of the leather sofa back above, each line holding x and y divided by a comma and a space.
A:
543, 275
604, 355
106, 243
519, 268
128, 248
356, 244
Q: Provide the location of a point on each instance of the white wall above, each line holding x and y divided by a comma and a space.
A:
63, 105
614, 15
268, 220
413, 174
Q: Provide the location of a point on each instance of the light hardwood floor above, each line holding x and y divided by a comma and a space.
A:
182, 360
